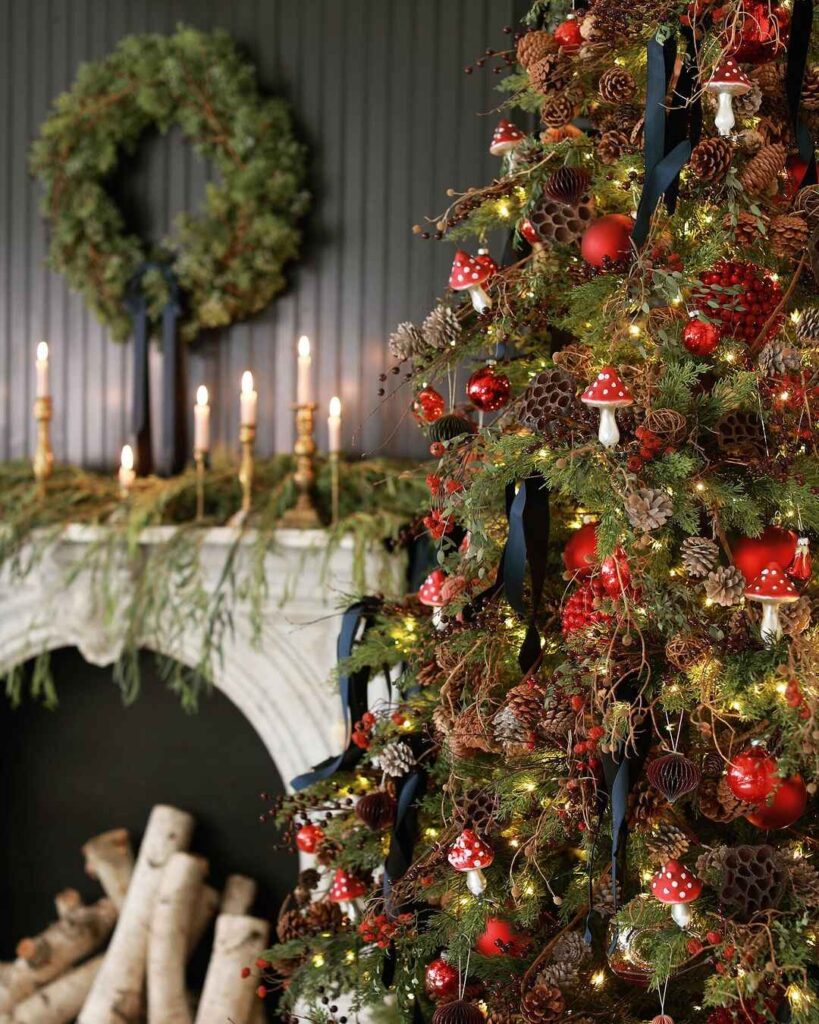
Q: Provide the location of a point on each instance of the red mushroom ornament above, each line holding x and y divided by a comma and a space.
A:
346, 890
506, 139
431, 594
801, 568
469, 853
308, 837
607, 393
771, 588
728, 80
676, 885
470, 273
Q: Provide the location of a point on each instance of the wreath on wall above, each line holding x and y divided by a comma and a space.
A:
229, 258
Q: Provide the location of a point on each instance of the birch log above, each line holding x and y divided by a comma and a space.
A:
117, 995
110, 859
239, 895
203, 913
80, 931
58, 1002
227, 996
179, 891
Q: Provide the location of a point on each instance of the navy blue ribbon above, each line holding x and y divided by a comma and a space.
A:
801, 26
352, 689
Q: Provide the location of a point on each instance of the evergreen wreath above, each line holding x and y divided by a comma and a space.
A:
229, 258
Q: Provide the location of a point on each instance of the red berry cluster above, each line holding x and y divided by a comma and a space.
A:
438, 523
363, 731
745, 296
651, 445
582, 610
380, 929
795, 699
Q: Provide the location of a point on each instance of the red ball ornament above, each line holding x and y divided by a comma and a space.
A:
796, 169
488, 390
568, 36
786, 806
308, 837
440, 980
500, 939
615, 574
741, 297
764, 33
752, 775
753, 554
700, 338
580, 552
428, 405
529, 232
608, 239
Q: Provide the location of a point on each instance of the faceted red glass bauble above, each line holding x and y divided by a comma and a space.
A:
568, 36
700, 338
440, 979
752, 554
428, 405
580, 552
741, 297
752, 775
308, 838
785, 807
763, 33
500, 939
488, 390
673, 775
615, 574
607, 240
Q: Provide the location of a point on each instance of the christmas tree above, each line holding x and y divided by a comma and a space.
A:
590, 795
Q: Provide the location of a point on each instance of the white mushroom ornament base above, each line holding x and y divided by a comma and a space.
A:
607, 393
771, 588
469, 853
675, 885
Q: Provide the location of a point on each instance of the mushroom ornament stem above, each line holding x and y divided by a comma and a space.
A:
607, 393
675, 885
728, 80
469, 854
470, 273
771, 588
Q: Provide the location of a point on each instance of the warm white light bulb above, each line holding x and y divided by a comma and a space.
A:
247, 382
202, 394
304, 346
42, 351
335, 406
127, 457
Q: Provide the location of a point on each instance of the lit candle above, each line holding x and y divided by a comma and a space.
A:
303, 389
201, 421
334, 426
250, 400
41, 366
126, 469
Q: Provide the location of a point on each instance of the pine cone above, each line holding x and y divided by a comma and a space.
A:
795, 617
571, 948
646, 804
534, 46
699, 555
748, 229
616, 85
778, 357
562, 222
559, 975
327, 851
810, 88
760, 173
725, 585
503, 1002
552, 73
395, 760
711, 159
477, 809
807, 326
744, 106
805, 881
557, 111
308, 880
774, 130
552, 394
611, 146
468, 736
717, 802
442, 328
323, 916
740, 434
407, 341
666, 842
508, 730
604, 900
750, 879
751, 141
525, 701
291, 925
623, 118
788, 234
542, 1004
648, 509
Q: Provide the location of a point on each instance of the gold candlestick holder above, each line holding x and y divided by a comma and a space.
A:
43, 463
247, 439
335, 488
303, 515
199, 462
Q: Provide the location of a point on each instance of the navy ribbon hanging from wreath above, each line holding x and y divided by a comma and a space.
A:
172, 449
801, 27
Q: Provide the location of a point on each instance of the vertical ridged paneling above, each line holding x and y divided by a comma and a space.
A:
379, 96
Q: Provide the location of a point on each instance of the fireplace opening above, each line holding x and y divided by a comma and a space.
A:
94, 764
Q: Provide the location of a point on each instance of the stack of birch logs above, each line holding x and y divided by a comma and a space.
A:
154, 914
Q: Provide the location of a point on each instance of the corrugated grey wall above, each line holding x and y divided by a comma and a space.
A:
380, 97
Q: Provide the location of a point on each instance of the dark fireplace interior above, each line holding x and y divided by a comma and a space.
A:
93, 764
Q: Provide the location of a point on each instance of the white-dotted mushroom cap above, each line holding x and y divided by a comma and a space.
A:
345, 887
729, 77
675, 884
607, 389
469, 851
772, 585
468, 272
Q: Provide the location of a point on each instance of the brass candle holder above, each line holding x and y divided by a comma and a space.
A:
335, 488
303, 515
199, 463
247, 439
43, 463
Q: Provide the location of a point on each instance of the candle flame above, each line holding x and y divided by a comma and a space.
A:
247, 383
335, 406
42, 352
127, 457
304, 346
202, 394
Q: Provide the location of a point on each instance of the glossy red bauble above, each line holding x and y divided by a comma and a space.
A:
428, 405
529, 232
615, 574
795, 169
488, 390
751, 775
740, 298
500, 939
763, 33
308, 837
753, 554
580, 552
607, 240
785, 807
440, 980
700, 338
568, 36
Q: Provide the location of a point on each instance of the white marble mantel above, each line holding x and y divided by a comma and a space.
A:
281, 685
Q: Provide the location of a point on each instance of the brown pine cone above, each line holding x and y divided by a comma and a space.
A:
711, 159
699, 555
646, 805
291, 925
788, 234
810, 88
760, 173
323, 916
552, 73
525, 701
748, 229
557, 111
666, 842
327, 851
428, 674
534, 46
805, 881
717, 802
623, 118
648, 508
796, 617
469, 735
557, 719
611, 146
725, 586
503, 1002
617, 85
542, 1004
778, 357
